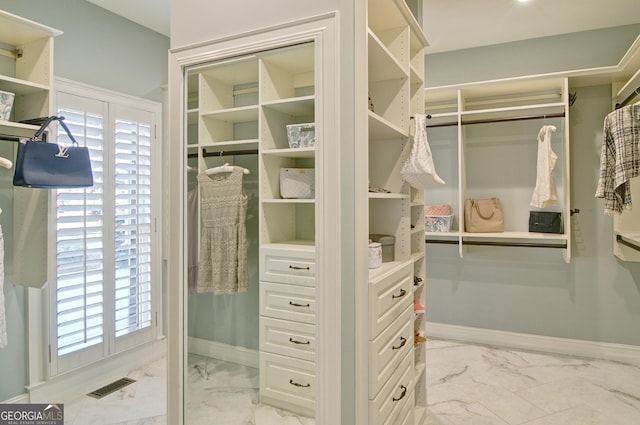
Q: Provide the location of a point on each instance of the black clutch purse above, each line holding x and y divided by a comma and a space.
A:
545, 222
49, 165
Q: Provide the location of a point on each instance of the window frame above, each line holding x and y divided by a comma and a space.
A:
111, 346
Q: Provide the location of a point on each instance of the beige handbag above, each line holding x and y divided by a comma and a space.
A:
483, 216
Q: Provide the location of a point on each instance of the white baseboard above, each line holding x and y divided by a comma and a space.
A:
71, 385
21, 399
546, 344
228, 353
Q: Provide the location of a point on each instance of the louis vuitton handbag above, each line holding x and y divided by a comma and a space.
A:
50, 165
483, 216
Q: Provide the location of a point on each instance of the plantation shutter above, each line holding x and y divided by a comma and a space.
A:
79, 238
103, 296
132, 225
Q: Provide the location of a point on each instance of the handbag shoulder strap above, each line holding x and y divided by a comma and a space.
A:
486, 210
48, 121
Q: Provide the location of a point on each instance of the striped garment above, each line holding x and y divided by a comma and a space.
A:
619, 158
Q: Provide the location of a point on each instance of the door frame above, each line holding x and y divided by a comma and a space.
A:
323, 31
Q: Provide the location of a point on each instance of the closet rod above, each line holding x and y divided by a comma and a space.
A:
627, 99
206, 154
511, 244
486, 121
623, 241
10, 137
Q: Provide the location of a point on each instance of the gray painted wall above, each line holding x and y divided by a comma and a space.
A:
596, 297
567, 52
97, 48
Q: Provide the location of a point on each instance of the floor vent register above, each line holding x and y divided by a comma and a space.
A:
112, 387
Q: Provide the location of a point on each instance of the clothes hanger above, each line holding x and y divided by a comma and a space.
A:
4, 162
226, 168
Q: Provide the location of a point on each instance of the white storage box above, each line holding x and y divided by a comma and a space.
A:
6, 103
297, 183
301, 135
438, 223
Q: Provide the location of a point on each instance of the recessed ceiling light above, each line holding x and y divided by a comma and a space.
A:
522, 1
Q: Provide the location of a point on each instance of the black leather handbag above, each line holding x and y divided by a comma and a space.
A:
52, 166
545, 222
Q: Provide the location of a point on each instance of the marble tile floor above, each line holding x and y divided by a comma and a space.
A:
140, 403
472, 384
467, 385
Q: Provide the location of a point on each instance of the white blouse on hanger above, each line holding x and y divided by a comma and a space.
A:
544, 194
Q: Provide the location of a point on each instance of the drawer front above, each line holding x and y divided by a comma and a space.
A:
394, 393
288, 302
387, 351
288, 338
388, 299
405, 415
288, 383
287, 266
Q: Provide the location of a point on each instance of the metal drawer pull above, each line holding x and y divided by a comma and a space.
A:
302, 385
299, 342
299, 305
402, 294
299, 268
403, 341
404, 393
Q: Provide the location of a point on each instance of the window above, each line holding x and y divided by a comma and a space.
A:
106, 292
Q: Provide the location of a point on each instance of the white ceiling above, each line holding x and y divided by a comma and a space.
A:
457, 24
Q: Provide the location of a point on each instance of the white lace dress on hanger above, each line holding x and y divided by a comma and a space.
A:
222, 267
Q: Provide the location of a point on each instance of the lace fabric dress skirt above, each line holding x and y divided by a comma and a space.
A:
223, 238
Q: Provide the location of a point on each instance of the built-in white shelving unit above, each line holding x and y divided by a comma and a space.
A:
243, 106
484, 140
396, 365
26, 70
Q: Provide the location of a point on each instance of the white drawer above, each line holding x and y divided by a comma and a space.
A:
389, 296
292, 266
288, 338
288, 302
393, 394
288, 383
388, 349
405, 414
